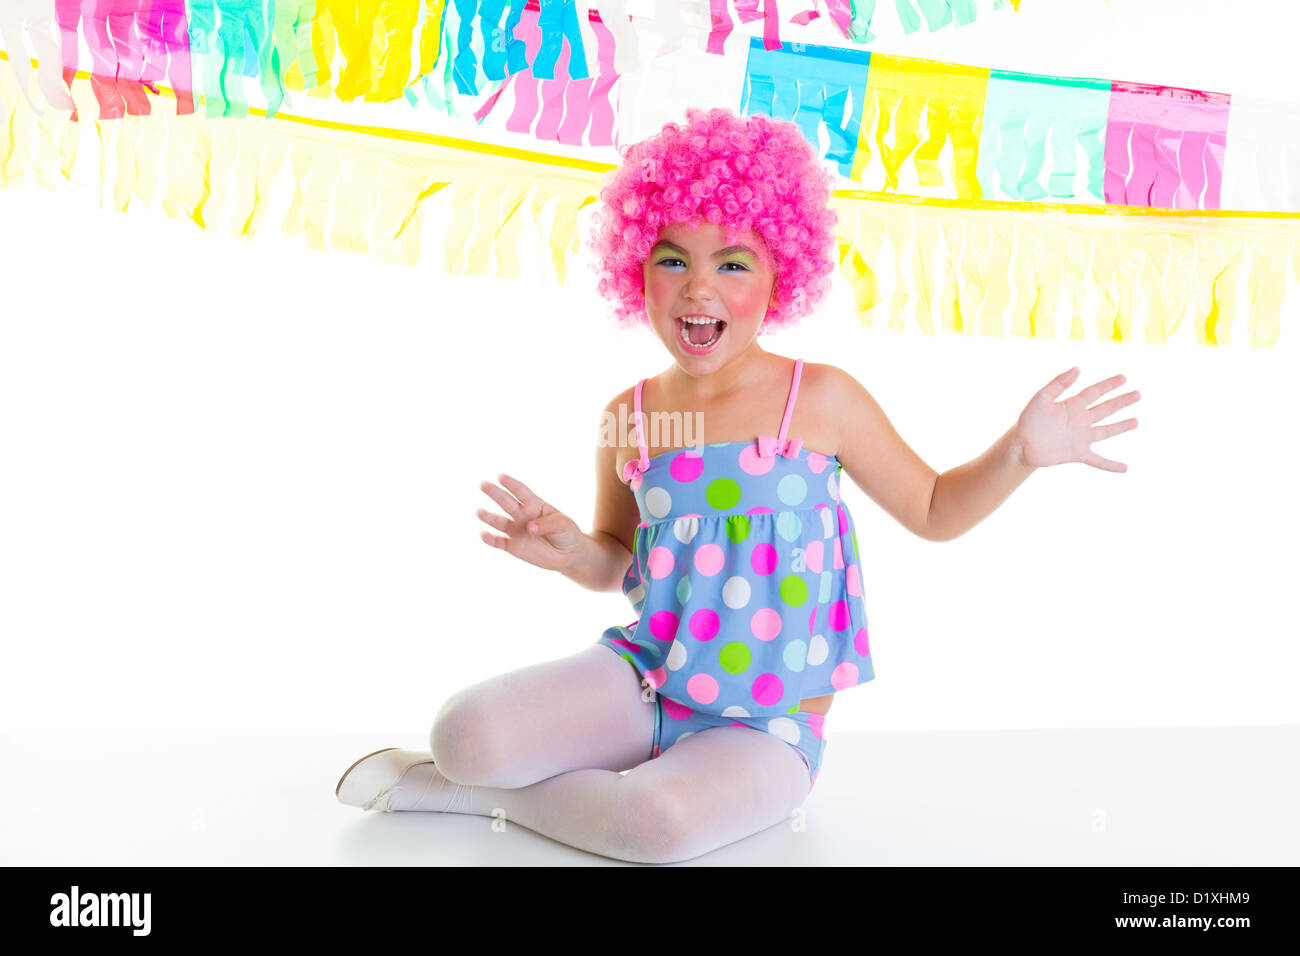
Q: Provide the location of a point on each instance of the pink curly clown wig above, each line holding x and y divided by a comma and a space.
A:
741, 173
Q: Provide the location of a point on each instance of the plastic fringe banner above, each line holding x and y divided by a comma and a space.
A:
973, 267
559, 99
376, 50
942, 129
991, 268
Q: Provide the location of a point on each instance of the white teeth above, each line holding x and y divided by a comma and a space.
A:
686, 336
692, 321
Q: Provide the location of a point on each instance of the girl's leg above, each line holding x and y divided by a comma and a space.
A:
585, 711
705, 791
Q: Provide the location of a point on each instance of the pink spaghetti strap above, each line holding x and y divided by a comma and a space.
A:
789, 405
640, 435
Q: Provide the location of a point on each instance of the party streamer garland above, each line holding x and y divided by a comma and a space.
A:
1020, 136
975, 248
1012, 136
970, 266
383, 49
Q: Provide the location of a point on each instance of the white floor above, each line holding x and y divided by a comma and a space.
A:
1167, 797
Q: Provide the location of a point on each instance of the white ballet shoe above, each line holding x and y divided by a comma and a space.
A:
371, 782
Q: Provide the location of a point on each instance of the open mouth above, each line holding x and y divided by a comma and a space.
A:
698, 333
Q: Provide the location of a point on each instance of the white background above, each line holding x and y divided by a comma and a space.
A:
238, 480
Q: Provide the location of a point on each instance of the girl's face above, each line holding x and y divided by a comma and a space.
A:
706, 298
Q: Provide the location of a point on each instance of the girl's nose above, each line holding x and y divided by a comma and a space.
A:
699, 286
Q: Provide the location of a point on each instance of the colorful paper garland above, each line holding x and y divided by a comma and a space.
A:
207, 48
1011, 136
970, 266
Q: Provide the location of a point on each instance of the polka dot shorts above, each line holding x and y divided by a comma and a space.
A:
802, 730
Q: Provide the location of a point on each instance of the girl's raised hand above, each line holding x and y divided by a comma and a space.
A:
535, 532
1052, 432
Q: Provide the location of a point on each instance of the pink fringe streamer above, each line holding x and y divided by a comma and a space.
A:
747, 11
564, 108
1165, 146
131, 43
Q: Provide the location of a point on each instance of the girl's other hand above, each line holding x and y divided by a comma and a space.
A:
535, 532
1051, 432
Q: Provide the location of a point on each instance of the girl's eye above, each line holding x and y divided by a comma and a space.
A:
673, 262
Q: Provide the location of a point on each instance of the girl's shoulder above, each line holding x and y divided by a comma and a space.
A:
828, 384
627, 397
829, 407
623, 398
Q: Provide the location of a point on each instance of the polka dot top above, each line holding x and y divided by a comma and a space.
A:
745, 575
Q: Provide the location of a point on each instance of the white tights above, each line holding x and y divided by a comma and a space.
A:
545, 744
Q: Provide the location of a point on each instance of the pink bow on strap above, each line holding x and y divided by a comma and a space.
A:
632, 468
769, 446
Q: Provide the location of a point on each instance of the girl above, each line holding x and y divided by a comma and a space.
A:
737, 554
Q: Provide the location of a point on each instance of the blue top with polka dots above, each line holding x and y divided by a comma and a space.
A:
745, 575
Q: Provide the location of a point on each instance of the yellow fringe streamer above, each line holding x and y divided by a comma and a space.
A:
905, 96
977, 269
375, 39
967, 266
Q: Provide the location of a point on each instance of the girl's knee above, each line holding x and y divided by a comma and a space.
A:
657, 825
668, 819
462, 744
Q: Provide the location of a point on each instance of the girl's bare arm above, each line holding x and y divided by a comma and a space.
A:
877, 459
933, 506
941, 507
603, 559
